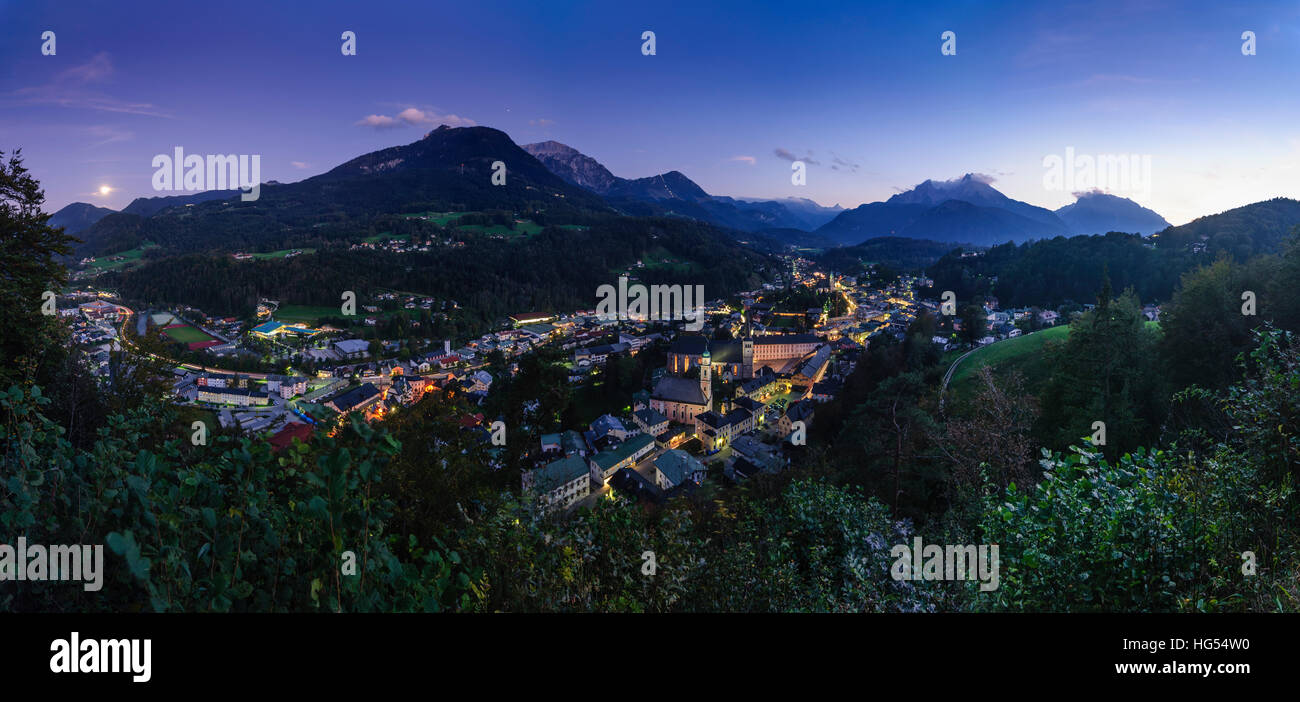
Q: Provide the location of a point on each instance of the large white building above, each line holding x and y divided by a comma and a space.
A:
232, 396
560, 483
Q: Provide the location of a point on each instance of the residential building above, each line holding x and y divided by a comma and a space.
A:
609, 425
232, 396
354, 399
675, 466
715, 430
650, 421
559, 483
801, 411
352, 348
604, 464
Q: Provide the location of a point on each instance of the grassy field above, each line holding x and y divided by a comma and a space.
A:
660, 258
129, 258
439, 218
524, 228
1023, 354
187, 334
280, 254
305, 313
783, 323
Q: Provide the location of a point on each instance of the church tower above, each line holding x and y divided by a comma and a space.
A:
747, 357
706, 380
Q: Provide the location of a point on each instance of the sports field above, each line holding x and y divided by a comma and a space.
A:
186, 334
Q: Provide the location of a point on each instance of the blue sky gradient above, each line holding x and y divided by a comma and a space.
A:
859, 89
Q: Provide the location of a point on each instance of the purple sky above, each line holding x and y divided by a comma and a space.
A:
860, 91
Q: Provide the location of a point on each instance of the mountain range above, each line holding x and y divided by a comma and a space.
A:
1096, 213
450, 169
673, 193
78, 216
447, 170
971, 211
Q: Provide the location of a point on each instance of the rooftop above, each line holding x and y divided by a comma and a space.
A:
355, 397
606, 459
557, 473
650, 417
676, 389
677, 465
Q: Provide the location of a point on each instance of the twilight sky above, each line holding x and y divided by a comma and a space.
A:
859, 90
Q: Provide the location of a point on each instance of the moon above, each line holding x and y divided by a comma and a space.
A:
104, 190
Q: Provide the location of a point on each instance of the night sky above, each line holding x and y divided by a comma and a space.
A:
858, 90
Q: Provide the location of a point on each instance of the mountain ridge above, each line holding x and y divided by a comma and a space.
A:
78, 216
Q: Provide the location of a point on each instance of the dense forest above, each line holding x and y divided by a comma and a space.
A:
555, 270
892, 251
1062, 270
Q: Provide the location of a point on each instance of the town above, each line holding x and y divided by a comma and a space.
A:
731, 400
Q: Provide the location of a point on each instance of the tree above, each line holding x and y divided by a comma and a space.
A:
973, 324
1203, 327
32, 345
993, 433
1105, 372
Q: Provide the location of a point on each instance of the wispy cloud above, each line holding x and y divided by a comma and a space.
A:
414, 117
542, 122
74, 88
749, 160
300, 165
108, 135
838, 163
789, 156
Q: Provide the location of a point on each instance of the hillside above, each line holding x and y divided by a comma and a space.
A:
555, 269
1242, 232
894, 251
447, 169
78, 216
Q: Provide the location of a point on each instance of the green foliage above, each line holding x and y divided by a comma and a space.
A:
30, 350
589, 562
1105, 371
1204, 328
814, 548
1156, 530
1093, 537
230, 527
1051, 272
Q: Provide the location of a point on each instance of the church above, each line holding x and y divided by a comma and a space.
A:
739, 358
680, 399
